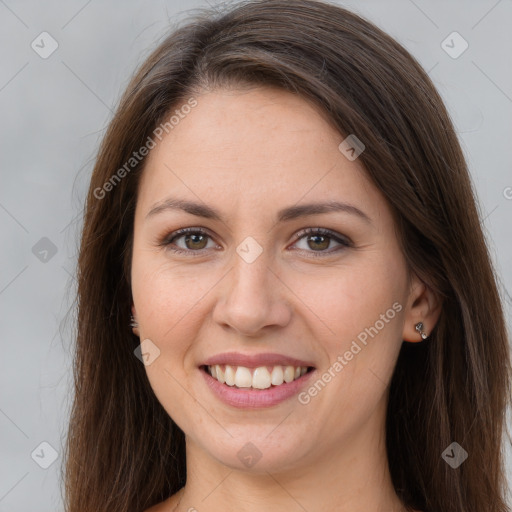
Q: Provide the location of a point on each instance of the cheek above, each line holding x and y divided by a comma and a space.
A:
167, 297
170, 313
359, 320
347, 300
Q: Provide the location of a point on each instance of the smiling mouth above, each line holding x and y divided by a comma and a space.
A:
262, 377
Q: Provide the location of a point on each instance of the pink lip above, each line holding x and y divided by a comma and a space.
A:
254, 361
256, 398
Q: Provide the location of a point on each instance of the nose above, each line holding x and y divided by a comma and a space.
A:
252, 298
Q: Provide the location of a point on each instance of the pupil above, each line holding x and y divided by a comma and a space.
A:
194, 237
320, 236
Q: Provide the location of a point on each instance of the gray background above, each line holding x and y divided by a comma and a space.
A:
54, 112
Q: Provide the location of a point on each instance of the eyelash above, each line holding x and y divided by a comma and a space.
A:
168, 240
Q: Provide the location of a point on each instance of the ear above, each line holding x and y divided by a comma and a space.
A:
423, 305
135, 329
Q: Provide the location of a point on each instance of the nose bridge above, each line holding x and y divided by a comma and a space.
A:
251, 274
251, 296
252, 258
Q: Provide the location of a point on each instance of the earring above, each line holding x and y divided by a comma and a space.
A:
419, 328
133, 322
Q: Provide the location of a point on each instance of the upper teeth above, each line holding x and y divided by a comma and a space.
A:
259, 378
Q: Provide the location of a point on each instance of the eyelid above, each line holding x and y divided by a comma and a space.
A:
344, 241
166, 240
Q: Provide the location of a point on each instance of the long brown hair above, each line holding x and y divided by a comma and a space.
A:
124, 453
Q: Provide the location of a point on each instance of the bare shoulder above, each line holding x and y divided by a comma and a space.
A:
159, 507
165, 506
169, 504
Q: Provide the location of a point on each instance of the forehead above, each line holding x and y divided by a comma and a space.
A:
247, 124
261, 147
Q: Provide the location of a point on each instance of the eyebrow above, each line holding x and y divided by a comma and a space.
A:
286, 214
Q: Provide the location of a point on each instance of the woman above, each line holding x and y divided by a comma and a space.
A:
282, 207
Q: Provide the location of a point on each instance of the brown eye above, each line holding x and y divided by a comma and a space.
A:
318, 241
195, 240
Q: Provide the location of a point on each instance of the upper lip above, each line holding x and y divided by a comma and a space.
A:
254, 360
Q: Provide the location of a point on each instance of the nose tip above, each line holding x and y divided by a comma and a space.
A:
252, 299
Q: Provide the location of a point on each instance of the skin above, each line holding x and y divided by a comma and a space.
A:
249, 153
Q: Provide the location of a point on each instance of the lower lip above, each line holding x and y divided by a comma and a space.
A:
249, 398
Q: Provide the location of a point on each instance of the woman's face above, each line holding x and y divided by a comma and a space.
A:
252, 283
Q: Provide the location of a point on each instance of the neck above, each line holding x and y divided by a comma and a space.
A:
351, 477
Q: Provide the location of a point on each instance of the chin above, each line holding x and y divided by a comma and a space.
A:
256, 453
